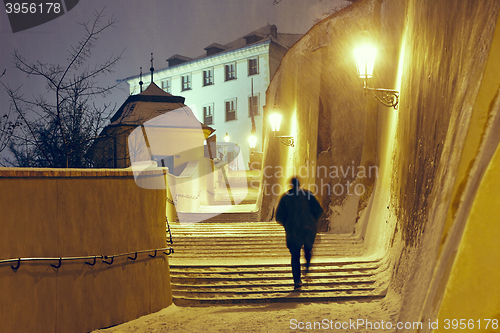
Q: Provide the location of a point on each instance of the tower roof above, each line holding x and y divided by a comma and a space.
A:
152, 103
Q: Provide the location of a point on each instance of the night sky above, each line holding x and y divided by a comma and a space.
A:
162, 27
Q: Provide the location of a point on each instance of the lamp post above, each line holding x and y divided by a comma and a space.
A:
275, 122
365, 61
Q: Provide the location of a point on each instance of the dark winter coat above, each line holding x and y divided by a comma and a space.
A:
298, 211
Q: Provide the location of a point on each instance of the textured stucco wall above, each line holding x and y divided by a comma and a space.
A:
473, 213
472, 288
61, 213
443, 58
446, 49
317, 91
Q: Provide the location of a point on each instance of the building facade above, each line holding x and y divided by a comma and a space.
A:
227, 85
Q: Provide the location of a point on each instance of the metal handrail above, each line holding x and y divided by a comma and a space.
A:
169, 239
105, 258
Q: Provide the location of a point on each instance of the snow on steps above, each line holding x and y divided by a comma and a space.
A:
218, 218
230, 263
268, 283
258, 239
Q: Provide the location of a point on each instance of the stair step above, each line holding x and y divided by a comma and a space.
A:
279, 267
281, 288
253, 254
224, 280
232, 240
195, 241
234, 277
260, 254
289, 296
216, 251
346, 265
216, 217
279, 245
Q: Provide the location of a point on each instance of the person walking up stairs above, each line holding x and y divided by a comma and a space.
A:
299, 211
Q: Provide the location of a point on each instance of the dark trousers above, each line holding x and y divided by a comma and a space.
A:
295, 252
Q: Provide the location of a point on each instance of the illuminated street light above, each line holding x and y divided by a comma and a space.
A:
365, 61
275, 122
252, 140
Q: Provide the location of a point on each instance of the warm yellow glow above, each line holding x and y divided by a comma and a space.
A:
226, 138
252, 140
386, 166
401, 61
275, 121
365, 59
295, 125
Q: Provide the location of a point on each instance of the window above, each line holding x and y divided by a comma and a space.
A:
230, 70
231, 109
208, 77
208, 114
186, 82
165, 85
253, 105
253, 66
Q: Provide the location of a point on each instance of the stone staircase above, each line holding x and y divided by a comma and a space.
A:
244, 193
233, 214
232, 263
244, 188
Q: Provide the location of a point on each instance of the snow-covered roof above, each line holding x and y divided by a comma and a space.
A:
157, 108
268, 33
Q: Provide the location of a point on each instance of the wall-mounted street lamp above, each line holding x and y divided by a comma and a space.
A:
226, 137
275, 121
252, 140
365, 60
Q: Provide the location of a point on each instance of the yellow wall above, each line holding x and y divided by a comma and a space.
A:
61, 213
448, 76
318, 93
473, 288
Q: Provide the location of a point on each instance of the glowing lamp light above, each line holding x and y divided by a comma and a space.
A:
365, 59
275, 121
252, 140
226, 137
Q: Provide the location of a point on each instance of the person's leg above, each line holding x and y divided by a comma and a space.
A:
308, 247
295, 252
308, 252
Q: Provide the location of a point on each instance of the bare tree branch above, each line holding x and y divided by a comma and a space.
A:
60, 133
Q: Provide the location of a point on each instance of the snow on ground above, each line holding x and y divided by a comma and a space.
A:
274, 317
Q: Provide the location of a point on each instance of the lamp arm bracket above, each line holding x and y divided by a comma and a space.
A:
388, 97
286, 140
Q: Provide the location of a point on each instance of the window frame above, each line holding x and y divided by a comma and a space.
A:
205, 117
230, 74
227, 112
250, 72
166, 85
186, 85
210, 78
